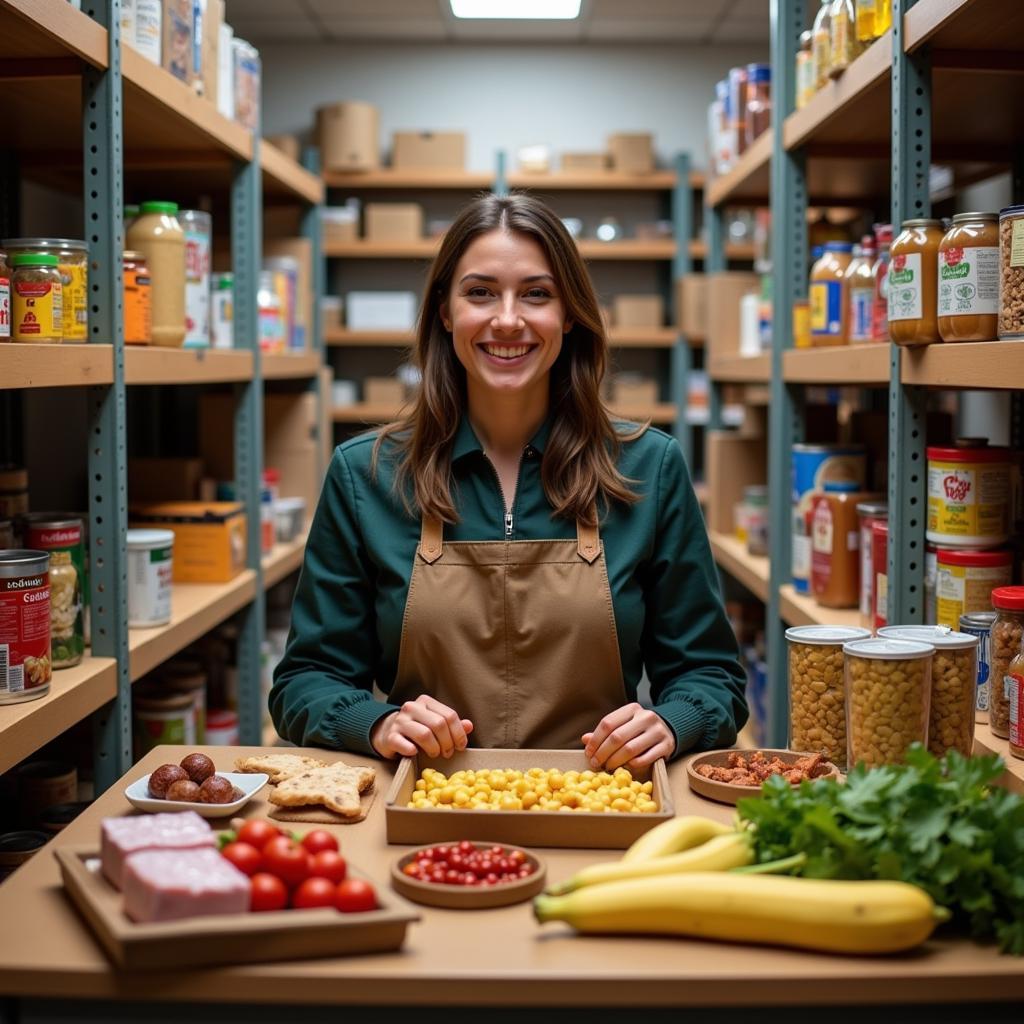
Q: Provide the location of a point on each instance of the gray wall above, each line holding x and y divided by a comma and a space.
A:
569, 97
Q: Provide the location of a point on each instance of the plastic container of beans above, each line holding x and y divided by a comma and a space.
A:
888, 694
817, 695
954, 685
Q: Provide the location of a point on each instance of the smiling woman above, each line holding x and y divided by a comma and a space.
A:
506, 562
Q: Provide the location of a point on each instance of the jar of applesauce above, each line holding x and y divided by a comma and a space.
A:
968, 303
913, 274
829, 295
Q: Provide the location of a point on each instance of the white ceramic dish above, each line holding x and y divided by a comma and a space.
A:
248, 783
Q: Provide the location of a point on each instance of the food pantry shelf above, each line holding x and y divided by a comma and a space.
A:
963, 24
731, 555
284, 559
54, 366
196, 608
74, 693
841, 364
388, 177
740, 369
618, 337
986, 742
41, 28
289, 365
802, 610
284, 178
155, 365
749, 179
977, 364
611, 181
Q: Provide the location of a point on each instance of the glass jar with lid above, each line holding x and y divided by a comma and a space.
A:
842, 37
880, 274
1011, 272
821, 45
1005, 644
835, 542
157, 234
913, 280
968, 301
73, 262
759, 101
37, 306
1015, 697
829, 295
804, 71
860, 290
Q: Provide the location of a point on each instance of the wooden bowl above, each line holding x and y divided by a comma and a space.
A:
468, 897
728, 792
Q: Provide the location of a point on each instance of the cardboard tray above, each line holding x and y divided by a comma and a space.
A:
576, 831
226, 938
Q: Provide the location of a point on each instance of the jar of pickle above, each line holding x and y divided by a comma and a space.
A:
968, 302
1005, 644
888, 694
913, 274
954, 685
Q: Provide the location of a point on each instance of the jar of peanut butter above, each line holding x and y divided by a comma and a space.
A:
913, 278
158, 236
969, 278
829, 296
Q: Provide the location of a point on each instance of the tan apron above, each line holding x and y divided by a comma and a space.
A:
517, 636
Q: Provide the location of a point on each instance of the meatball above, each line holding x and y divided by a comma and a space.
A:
163, 777
199, 767
216, 790
183, 789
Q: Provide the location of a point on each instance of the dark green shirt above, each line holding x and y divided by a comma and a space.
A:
347, 616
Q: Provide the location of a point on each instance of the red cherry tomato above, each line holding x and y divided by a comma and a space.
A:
246, 858
286, 859
267, 892
354, 896
328, 864
314, 892
318, 840
466, 847
257, 832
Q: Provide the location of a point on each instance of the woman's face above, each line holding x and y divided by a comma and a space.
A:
504, 313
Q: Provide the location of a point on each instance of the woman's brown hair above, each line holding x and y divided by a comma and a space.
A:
579, 469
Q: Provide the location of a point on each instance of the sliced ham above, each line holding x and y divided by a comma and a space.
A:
122, 837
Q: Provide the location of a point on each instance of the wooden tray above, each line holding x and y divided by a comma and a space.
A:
463, 897
225, 938
524, 828
727, 792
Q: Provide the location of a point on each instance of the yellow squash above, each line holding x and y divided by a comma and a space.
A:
674, 836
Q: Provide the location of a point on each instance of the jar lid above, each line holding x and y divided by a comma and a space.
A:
940, 637
873, 508
45, 243
133, 256
826, 635
221, 282
884, 649
759, 73
1011, 211
34, 259
806, 38
147, 540
977, 620
974, 559
158, 206
922, 222
984, 454
1010, 599
841, 487
817, 252
838, 247
966, 218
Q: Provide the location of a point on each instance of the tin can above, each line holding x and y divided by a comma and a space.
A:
198, 228
880, 564
969, 496
979, 624
222, 728
17, 847
162, 717
24, 625
149, 577
868, 513
812, 465
73, 263
138, 308
64, 538
42, 784
964, 581
222, 311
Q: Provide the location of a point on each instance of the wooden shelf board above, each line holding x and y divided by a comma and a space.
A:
32, 29
54, 366
642, 337
662, 412
733, 250
749, 179
388, 177
344, 338
290, 365
731, 555
196, 608
74, 693
628, 249
284, 559
978, 365
610, 181
802, 610
986, 742
144, 364
742, 369
618, 337
365, 412
843, 364
283, 177
963, 25
424, 248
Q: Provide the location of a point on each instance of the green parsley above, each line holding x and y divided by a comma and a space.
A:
941, 825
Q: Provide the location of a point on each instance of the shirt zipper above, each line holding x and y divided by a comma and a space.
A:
509, 520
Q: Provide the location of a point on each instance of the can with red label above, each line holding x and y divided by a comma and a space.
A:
24, 625
5, 300
63, 537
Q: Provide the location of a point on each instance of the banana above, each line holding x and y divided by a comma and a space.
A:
732, 850
674, 836
840, 917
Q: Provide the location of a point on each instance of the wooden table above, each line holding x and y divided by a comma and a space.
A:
468, 960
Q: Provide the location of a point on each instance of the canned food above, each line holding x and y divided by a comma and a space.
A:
979, 624
149, 577
222, 313
72, 261
198, 228
37, 299
964, 581
17, 847
138, 309
880, 565
868, 513
25, 667
968, 496
162, 718
187, 676
222, 728
42, 784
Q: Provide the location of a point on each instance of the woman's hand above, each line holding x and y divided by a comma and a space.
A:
425, 724
632, 736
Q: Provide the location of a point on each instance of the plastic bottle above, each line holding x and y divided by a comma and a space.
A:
828, 296
883, 16
860, 286
158, 236
804, 71
821, 45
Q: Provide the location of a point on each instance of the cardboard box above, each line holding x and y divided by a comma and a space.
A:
724, 291
349, 135
614, 831
691, 313
209, 537
340, 224
381, 311
732, 463
632, 152
383, 390
584, 163
639, 311
213, 18
162, 479
394, 222
288, 144
300, 250
247, 79
628, 390
177, 32
433, 150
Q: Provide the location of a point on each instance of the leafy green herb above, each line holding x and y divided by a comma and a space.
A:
941, 825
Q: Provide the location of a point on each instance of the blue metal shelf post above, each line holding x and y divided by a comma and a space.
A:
681, 358
312, 228
714, 263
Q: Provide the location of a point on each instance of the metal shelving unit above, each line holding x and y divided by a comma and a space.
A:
130, 116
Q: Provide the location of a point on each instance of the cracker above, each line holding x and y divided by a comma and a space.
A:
278, 766
336, 786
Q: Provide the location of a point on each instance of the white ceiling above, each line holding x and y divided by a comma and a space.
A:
601, 21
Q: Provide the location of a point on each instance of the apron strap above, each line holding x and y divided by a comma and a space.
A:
587, 544
431, 535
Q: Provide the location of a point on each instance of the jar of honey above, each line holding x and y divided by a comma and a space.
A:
835, 543
829, 295
913, 274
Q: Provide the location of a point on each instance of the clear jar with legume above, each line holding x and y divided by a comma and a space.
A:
1004, 645
954, 685
888, 694
817, 700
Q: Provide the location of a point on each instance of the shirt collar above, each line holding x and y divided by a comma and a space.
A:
466, 441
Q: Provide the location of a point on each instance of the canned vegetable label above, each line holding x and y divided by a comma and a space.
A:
64, 541
74, 315
968, 501
38, 310
5, 307
24, 635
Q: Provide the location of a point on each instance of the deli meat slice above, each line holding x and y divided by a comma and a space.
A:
168, 885
121, 837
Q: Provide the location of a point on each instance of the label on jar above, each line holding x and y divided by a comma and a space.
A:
866, 570
5, 307
1017, 243
969, 281
138, 308
961, 589
822, 46
862, 302
968, 500
38, 310
905, 287
75, 299
826, 299
1014, 683
197, 289
881, 599
24, 634
149, 586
